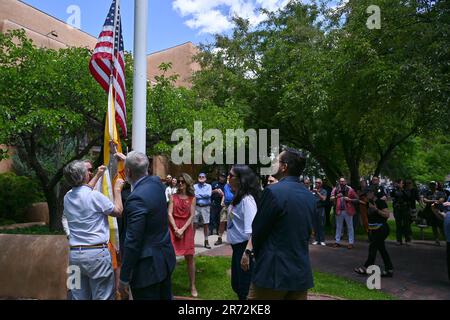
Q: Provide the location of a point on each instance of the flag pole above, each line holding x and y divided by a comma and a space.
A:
140, 75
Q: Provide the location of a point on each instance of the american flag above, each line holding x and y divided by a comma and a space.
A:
108, 63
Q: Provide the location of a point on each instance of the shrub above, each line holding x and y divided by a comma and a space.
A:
17, 193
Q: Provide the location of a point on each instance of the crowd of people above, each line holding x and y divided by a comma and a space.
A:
269, 229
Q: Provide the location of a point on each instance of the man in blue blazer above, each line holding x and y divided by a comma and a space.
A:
280, 234
148, 254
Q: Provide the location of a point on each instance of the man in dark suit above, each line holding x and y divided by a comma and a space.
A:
148, 254
281, 232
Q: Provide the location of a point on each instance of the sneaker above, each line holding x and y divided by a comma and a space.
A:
361, 270
336, 245
207, 246
408, 243
315, 243
438, 243
350, 246
323, 244
218, 242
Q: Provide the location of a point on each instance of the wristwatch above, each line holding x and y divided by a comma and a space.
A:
249, 252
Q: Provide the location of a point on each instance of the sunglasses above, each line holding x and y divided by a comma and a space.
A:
181, 182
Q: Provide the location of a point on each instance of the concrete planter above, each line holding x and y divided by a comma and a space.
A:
33, 267
38, 212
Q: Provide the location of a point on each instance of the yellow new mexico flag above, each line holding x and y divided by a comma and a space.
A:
114, 169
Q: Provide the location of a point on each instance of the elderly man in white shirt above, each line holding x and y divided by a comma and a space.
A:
86, 212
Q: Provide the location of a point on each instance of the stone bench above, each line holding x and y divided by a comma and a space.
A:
33, 267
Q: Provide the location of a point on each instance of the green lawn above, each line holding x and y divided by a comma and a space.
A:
214, 283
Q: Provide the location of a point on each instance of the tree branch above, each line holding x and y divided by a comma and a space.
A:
81, 154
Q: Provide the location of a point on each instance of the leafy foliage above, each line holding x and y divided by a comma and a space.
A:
51, 109
347, 94
16, 195
421, 159
170, 108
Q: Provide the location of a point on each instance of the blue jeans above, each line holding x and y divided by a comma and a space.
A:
97, 274
340, 224
319, 224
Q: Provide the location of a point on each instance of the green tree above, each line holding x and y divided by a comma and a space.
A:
347, 94
170, 108
422, 159
51, 109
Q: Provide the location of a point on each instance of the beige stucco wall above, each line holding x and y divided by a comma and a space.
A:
181, 58
38, 25
33, 266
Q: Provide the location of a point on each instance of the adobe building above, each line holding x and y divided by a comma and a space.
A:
181, 57
50, 32
45, 30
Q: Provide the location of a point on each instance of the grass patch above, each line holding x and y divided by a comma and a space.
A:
214, 283
212, 280
416, 235
35, 230
326, 283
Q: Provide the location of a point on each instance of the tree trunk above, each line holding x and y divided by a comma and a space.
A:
52, 201
386, 154
354, 175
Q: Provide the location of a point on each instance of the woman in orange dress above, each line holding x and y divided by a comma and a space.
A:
181, 214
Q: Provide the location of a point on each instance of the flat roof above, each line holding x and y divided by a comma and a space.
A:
57, 19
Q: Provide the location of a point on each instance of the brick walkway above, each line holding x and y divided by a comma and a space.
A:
420, 270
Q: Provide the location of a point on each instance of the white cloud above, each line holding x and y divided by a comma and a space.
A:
214, 16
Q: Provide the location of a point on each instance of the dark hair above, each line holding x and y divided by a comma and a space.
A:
295, 160
189, 184
248, 183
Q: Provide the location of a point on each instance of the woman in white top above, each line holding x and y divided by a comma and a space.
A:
171, 190
245, 186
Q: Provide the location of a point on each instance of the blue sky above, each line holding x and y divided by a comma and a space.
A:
166, 27
171, 22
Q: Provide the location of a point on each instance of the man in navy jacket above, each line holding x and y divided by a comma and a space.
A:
148, 254
280, 234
